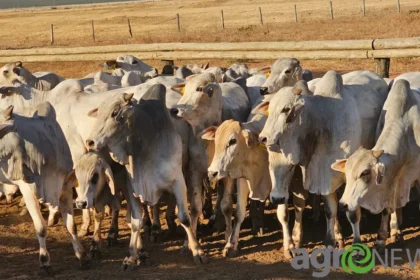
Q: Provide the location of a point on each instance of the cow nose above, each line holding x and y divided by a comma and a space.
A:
16, 71
343, 206
277, 200
263, 90
90, 143
81, 204
262, 140
174, 112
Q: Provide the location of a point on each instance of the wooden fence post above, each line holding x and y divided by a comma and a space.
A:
398, 6
382, 66
363, 7
296, 18
93, 31
177, 21
331, 10
223, 20
52, 34
129, 28
261, 18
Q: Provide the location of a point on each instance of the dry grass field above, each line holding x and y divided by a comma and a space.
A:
154, 22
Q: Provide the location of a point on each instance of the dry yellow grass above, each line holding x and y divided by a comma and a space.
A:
155, 22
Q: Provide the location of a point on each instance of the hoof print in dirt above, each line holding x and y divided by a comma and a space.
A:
46, 271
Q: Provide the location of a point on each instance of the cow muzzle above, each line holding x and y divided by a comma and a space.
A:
277, 200
81, 204
264, 90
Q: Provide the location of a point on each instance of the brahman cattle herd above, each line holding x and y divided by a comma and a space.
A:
262, 134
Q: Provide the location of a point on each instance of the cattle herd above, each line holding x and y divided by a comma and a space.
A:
249, 133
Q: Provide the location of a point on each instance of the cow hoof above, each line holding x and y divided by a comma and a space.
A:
95, 254
399, 238
155, 237
379, 247
23, 212
340, 244
185, 250
46, 271
200, 259
230, 252
128, 264
84, 263
83, 233
144, 257
112, 239
288, 254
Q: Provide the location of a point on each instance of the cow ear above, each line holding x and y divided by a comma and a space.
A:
6, 128
180, 88
339, 165
111, 65
109, 177
380, 171
7, 113
261, 109
251, 138
18, 64
294, 112
8, 91
208, 133
206, 66
127, 97
70, 181
265, 69
93, 113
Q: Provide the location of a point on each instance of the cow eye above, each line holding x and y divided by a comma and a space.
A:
288, 71
200, 88
285, 110
95, 178
365, 173
135, 62
231, 142
115, 113
5, 72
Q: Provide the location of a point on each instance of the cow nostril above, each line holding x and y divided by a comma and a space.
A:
263, 140
174, 112
81, 204
343, 206
215, 174
90, 143
263, 90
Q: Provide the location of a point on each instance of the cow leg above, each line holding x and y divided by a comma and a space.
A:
132, 258
156, 226
195, 193
333, 228
226, 206
216, 220
383, 231
180, 192
231, 248
257, 213
208, 205
98, 214
354, 219
84, 229
147, 221
299, 206
52, 216
170, 215
40, 227
395, 225
316, 201
66, 209
113, 229
283, 217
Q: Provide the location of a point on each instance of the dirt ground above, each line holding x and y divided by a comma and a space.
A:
259, 257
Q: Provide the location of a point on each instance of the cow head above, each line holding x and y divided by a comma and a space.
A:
365, 177
131, 63
201, 95
113, 117
5, 126
91, 175
232, 143
10, 74
285, 72
8, 191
